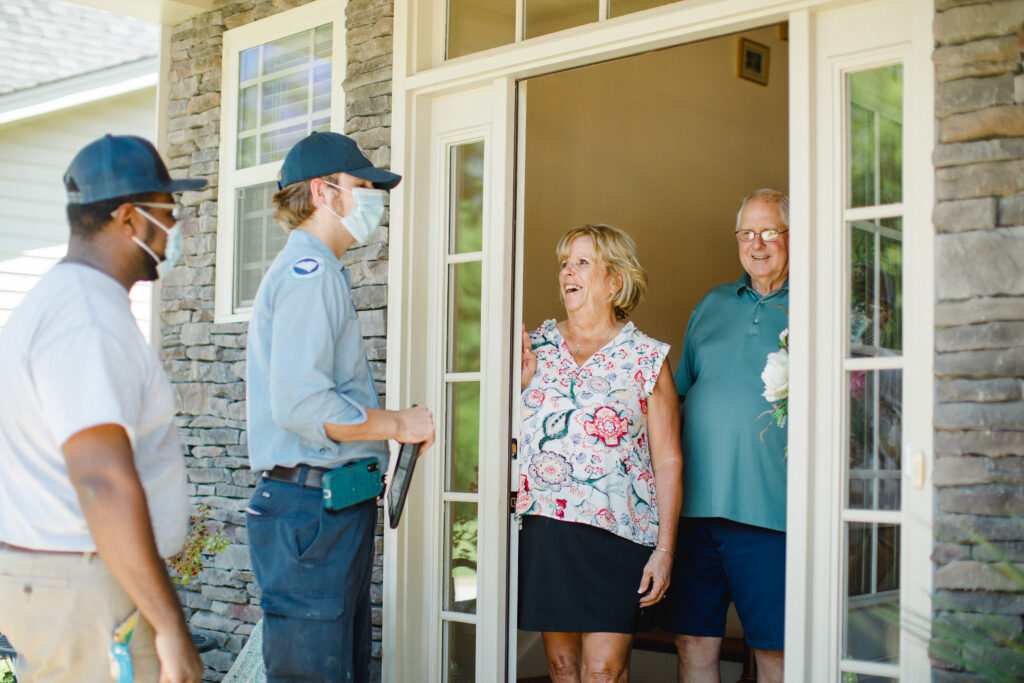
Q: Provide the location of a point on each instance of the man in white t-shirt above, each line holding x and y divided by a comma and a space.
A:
94, 494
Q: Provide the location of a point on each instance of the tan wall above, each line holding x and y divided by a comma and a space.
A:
663, 145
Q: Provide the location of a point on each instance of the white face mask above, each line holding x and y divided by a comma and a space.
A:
172, 251
367, 213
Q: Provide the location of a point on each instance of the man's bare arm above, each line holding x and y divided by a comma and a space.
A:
101, 467
412, 425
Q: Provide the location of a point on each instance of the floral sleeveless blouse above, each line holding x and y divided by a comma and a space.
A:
585, 455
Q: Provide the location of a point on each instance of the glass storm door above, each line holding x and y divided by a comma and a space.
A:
870, 261
452, 546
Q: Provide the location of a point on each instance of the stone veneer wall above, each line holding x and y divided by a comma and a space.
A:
979, 315
206, 360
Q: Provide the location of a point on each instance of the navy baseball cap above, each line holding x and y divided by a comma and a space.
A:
117, 166
321, 154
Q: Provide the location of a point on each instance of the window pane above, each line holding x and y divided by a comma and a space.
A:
876, 287
475, 25
286, 52
286, 94
321, 88
258, 239
460, 645
548, 16
875, 136
464, 317
248, 64
890, 160
284, 98
323, 47
247, 112
889, 300
872, 603
247, 151
875, 439
862, 156
850, 677
463, 436
460, 558
619, 7
467, 213
275, 144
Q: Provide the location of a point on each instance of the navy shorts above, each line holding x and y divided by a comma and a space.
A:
718, 561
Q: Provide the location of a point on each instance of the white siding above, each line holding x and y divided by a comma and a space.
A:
33, 156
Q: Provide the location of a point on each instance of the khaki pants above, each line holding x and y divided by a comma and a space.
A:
59, 611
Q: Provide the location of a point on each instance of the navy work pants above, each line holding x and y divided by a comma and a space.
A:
313, 567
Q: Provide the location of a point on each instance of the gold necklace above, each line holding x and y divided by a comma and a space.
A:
592, 349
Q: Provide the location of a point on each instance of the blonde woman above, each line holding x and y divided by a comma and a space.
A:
600, 489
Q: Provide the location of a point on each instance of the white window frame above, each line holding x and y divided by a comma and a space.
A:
231, 179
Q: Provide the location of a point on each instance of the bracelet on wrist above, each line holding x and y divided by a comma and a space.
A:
665, 550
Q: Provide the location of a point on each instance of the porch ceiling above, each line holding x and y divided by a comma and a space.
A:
167, 12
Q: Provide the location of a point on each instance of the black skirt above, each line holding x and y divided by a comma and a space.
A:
579, 578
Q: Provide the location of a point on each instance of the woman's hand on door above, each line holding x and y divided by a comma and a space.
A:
529, 363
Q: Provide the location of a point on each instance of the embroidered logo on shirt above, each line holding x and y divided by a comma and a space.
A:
307, 267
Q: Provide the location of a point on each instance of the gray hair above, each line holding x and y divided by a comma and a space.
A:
773, 196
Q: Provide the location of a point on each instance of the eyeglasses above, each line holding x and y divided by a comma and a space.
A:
769, 235
175, 208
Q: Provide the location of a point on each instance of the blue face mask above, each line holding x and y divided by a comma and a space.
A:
367, 213
172, 251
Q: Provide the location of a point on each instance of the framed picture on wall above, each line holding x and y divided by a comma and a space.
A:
753, 61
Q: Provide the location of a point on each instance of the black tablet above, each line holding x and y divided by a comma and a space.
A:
398, 487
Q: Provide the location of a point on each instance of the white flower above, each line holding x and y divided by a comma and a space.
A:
776, 376
784, 339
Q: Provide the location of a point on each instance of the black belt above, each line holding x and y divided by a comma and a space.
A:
302, 475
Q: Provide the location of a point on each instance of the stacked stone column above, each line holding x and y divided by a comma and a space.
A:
979, 316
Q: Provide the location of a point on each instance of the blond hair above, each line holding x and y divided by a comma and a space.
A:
293, 203
617, 251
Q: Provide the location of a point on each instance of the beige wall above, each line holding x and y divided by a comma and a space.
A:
663, 145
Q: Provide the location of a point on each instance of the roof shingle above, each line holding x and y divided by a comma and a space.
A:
47, 40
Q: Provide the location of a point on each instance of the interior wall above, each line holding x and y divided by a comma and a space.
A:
663, 145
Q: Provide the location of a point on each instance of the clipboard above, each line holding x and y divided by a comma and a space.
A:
398, 487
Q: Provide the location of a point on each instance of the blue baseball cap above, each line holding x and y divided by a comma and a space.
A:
118, 166
321, 154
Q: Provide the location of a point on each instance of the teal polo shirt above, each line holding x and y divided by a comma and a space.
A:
731, 469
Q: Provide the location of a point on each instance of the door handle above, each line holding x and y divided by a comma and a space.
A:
918, 467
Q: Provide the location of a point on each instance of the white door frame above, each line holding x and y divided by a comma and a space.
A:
482, 113
816, 405
498, 70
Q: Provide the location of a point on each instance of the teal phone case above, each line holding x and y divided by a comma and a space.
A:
352, 483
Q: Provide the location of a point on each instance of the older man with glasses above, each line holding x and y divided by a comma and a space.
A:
732, 542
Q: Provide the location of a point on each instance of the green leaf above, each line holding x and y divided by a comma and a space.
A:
555, 426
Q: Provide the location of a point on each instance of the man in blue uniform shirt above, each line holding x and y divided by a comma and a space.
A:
732, 541
312, 407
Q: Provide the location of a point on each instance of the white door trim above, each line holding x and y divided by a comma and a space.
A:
808, 599
417, 336
815, 483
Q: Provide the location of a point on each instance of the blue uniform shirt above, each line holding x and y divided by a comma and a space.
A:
306, 364
730, 469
